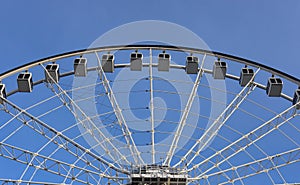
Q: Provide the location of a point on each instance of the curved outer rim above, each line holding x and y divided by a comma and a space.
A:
154, 47
261, 86
216, 54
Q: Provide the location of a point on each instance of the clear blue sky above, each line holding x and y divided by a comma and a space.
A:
267, 31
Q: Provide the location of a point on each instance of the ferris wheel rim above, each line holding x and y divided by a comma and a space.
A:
156, 47
153, 47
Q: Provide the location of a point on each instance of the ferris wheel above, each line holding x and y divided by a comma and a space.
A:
148, 114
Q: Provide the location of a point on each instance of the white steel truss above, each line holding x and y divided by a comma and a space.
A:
49, 164
151, 108
185, 114
18, 182
90, 167
258, 166
210, 133
127, 134
245, 141
57, 137
70, 103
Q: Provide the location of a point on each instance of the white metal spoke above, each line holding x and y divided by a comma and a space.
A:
61, 143
108, 147
30, 107
68, 101
248, 139
18, 182
256, 167
220, 121
185, 115
80, 158
12, 133
127, 134
103, 171
272, 163
60, 139
41, 162
252, 158
152, 107
15, 117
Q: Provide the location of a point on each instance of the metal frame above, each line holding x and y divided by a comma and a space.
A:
73, 172
220, 121
68, 102
185, 114
52, 134
151, 108
153, 47
259, 166
247, 140
127, 134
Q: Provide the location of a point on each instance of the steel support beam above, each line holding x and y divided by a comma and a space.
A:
152, 108
57, 137
211, 132
245, 141
48, 164
136, 154
70, 103
185, 114
259, 166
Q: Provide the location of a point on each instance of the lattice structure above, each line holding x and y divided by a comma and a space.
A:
148, 114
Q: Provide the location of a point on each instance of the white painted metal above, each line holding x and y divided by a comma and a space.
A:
211, 132
67, 100
100, 167
184, 115
247, 140
52, 134
152, 108
127, 134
